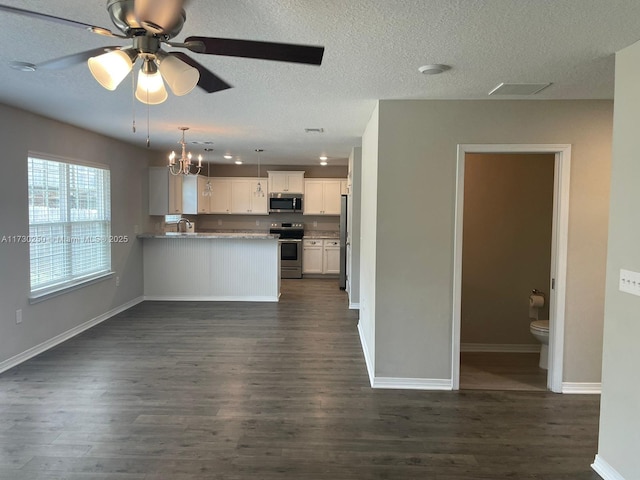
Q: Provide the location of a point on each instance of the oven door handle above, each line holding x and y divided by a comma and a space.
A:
297, 240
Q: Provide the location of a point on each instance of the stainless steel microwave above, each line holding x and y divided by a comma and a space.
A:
285, 202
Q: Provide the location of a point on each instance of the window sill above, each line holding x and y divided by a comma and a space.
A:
47, 293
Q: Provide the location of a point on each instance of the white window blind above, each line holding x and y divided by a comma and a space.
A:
69, 224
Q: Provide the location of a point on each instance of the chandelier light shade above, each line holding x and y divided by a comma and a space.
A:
182, 165
181, 77
109, 69
150, 89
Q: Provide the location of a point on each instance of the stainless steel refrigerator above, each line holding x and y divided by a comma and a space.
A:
343, 242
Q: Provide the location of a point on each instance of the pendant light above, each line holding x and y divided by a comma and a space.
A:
259, 191
208, 188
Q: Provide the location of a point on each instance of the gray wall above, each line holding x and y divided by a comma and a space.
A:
409, 163
21, 132
620, 416
506, 251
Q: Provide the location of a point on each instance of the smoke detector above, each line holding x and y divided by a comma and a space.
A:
433, 69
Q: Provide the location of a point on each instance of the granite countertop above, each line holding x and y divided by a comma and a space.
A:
321, 234
212, 235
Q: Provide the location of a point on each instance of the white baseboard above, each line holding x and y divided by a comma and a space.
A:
198, 298
63, 337
582, 388
367, 356
413, 383
606, 471
354, 306
500, 348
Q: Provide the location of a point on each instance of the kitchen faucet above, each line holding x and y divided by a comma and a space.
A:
187, 224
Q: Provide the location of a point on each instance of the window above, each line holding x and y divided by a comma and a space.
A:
69, 224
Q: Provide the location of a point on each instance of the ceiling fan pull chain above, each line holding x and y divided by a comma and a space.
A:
148, 140
133, 102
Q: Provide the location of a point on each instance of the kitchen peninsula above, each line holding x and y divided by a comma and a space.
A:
211, 266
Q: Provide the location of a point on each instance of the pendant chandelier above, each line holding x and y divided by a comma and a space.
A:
182, 165
259, 191
208, 189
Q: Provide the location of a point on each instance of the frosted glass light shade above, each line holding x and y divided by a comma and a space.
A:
110, 68
150, 88
181, 77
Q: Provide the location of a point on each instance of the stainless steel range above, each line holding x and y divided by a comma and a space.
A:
290, 248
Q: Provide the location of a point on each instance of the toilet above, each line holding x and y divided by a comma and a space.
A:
540, 330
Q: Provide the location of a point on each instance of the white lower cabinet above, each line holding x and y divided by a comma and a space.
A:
331, 256
312, 256
320, 256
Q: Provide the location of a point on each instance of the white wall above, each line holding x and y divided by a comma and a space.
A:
619, 441
368, 233
410, 234
21, 132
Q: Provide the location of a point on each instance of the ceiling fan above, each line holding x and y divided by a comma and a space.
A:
150, 24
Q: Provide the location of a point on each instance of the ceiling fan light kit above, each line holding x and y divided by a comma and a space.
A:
180, 77
150, 89
109, 69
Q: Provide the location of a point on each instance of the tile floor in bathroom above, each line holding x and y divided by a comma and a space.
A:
501, 371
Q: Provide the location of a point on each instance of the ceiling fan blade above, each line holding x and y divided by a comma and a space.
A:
209, 81
282, 52
67, 61
64, 21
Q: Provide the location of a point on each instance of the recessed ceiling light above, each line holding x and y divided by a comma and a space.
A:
323, 157
238, 162
228, 157
433, 69
323, 163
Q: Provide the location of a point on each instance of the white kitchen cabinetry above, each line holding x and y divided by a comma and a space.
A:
220, 199
286, 182
243, 198
331, 257
233, 195
320, 256
165, 192
312, 256
322, 197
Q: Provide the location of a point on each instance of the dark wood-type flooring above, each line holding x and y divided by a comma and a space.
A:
194, 390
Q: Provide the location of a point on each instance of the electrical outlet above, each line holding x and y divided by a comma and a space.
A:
18, 316
315, 223
257, 223
117, 281
136, 229
630, 282
219, 222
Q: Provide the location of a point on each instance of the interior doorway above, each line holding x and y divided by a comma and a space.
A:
555, 282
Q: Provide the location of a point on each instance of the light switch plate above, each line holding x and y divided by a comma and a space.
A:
630, 282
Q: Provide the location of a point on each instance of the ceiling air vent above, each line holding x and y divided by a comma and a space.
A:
519, 88
314, 130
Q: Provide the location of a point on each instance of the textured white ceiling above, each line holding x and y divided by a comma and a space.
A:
373, 49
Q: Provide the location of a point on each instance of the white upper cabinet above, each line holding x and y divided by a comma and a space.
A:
322, 196
244, 199
220, 199
286, 182
165, 192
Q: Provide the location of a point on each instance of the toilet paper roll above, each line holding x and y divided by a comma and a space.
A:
536, 301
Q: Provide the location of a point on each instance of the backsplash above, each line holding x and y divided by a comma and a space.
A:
206, 223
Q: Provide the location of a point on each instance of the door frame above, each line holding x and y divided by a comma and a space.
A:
559, 246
